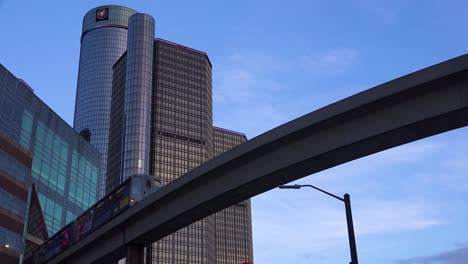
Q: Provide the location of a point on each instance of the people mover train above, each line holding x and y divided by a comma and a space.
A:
129, 192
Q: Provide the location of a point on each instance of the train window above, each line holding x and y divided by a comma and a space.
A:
118, 193
148, 185
157, 183
99, 205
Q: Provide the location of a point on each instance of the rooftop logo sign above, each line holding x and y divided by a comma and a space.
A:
102, 14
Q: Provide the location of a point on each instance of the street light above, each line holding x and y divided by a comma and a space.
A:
349, 217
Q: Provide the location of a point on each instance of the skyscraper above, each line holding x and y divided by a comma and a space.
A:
233, 224
103, 41
161, 123
182, 137
38, 148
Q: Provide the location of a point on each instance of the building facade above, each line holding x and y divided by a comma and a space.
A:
182, 139
177, 137
38, 148
103, 41
234, 224
182, 136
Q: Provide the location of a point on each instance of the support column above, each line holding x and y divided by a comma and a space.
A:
135, 254
149, 254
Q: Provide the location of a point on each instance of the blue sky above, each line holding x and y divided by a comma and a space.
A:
274, 61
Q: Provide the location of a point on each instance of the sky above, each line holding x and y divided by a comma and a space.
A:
274, 61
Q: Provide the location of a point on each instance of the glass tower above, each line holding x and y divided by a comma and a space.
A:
137, 100
130, 116
103, 41
233, 224
181, 137
160, 122
38, 148
182, 128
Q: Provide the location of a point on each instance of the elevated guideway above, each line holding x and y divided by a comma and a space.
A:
428, 102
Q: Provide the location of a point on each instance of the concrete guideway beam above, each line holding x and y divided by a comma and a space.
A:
428, 102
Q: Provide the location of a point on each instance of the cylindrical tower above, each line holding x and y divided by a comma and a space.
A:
138, 90
103, 41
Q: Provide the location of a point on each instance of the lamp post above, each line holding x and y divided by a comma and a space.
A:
349, 217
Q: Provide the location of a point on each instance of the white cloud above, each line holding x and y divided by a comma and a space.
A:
385, 11
250, 88
453, 165
457, 256
307, 223
240, 86
367, 173
305, 226
330, 62
395, 216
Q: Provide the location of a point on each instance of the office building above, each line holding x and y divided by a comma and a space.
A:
183, 139
130, 125
103, 41
233, 224
168, 135
182, 135
46, 169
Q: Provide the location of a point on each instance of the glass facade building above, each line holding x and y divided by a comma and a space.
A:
130, 116
103, 41
38, 148
233, 224
137, 100
160, 122
182, 139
